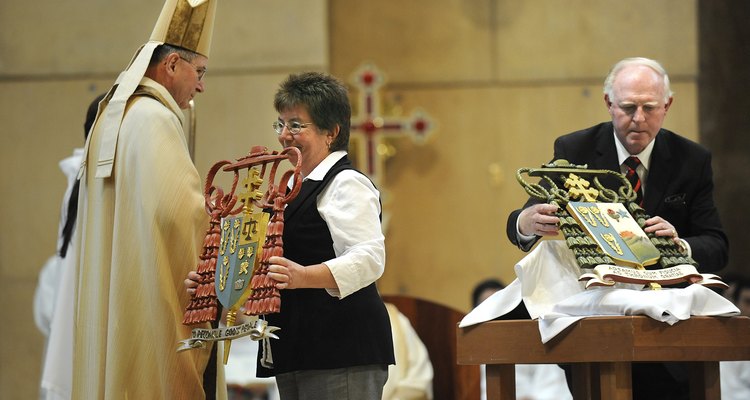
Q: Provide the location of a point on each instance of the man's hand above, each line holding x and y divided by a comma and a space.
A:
661, 227
539, 220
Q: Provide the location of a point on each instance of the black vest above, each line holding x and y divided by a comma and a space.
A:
319, 331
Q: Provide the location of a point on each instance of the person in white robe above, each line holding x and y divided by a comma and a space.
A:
141, 224
51, 273
411, 377
735, 375
53, 298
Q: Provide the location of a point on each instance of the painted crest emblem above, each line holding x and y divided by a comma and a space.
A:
240, 251
616, 233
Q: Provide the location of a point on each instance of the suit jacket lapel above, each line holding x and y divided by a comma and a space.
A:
606, 152
659, 173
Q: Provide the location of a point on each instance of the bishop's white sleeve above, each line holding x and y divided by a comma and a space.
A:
350, 206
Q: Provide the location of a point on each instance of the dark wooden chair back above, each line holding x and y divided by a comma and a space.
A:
436, 325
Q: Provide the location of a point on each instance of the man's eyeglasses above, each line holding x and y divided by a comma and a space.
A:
294, 126
201, 71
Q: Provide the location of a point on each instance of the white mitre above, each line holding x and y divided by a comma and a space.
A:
183, 23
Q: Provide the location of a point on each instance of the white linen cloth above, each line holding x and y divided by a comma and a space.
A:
548, 285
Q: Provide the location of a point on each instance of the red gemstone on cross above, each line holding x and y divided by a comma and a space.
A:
368, 78
420, 126
369, 127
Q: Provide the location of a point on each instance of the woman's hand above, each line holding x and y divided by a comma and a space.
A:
287, 273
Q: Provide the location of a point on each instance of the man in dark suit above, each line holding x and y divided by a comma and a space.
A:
675, 173
675, 179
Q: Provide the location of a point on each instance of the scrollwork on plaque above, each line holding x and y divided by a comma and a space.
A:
604, 227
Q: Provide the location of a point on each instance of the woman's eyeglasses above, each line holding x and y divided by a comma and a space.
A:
294, 127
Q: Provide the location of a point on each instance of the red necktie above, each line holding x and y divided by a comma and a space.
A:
632, 163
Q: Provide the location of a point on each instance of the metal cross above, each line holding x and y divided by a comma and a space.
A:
370, 127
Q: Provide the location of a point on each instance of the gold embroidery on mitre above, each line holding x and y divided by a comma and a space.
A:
187, 25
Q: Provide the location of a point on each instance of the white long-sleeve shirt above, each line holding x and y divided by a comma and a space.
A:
350, 205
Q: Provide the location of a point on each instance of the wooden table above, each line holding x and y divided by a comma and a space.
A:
601, 350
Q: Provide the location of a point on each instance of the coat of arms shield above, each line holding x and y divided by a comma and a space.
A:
616, 232
240, 251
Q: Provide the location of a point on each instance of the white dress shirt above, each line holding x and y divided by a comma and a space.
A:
644, 157
350, 206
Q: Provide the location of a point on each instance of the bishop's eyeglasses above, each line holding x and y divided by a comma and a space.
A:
201, 71
294, 127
